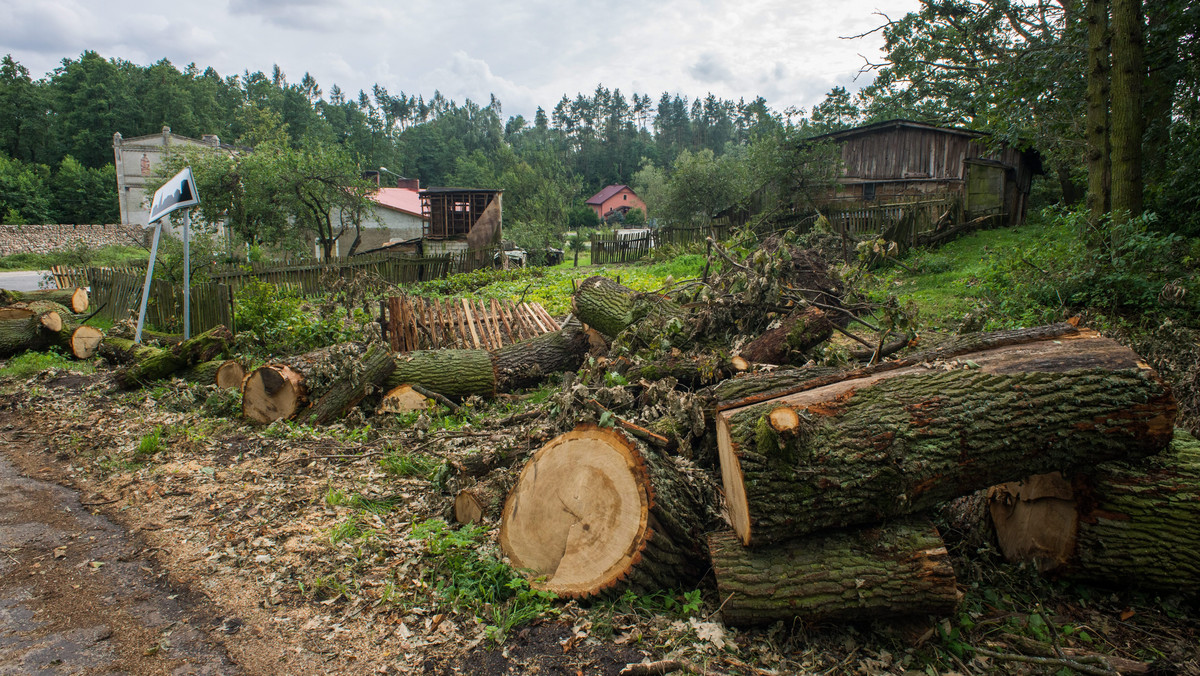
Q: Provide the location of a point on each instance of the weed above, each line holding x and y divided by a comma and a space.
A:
408, 465
150, 443
29, 364
472, 580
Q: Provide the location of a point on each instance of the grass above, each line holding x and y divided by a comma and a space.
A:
29, 364
108, 256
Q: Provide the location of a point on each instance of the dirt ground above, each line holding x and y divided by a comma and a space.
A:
153, 532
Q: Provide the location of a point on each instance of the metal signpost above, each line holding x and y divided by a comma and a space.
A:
177, 193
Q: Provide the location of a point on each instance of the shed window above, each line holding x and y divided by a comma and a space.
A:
868, 191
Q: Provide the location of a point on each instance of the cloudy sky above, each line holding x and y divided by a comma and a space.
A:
527, 52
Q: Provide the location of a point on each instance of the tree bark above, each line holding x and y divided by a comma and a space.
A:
377, 364
888, 570
1128, 78
903, 440
75, 299
1127, 523
797, 333
610, 308
596, 512
167, 362
117, 351
24, 329
1098, 150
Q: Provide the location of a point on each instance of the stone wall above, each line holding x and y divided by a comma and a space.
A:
47, 238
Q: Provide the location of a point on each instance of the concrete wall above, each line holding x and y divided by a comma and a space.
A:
47, 238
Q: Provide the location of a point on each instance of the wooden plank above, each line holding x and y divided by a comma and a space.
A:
550, 321
519, 318
471, 323
498, 310
481, 315
534, 318
394, 323
493, 324
518, 326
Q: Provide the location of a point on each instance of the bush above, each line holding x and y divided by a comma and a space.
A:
272, 321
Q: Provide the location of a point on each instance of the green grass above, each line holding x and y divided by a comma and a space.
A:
108, 256
29, 364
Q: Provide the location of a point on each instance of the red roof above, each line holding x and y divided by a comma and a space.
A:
603, 195
399, 199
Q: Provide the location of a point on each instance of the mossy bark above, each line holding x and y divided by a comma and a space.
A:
117, 351
453, 373
167, 362
888, 570
604, 305
528, 362
900, 442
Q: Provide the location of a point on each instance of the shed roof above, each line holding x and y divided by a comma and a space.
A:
404, 200
600, 197
897, 124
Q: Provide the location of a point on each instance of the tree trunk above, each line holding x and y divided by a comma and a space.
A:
862, 574
81, 341
76, 299
338, 374
453, 373
798, 332
1098, 161
596, 512
349, 390
610, 308
24, 329
1125, 523
688, 371
899, 441
528, 362
224, 373
117, 351
168, 362
1128, 78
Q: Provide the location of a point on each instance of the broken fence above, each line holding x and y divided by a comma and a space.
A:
414, 323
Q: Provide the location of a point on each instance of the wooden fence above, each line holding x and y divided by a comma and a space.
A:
901, 222
719, 229
613, 248
414, 323
117, 294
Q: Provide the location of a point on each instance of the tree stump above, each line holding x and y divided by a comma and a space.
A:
595, 511
903, 440
861, 574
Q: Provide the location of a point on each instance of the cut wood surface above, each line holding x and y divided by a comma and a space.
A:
594, 511
1127, 523
796, 333
855, 575
81, 341
75, 299
902, 440
270, 394
483, 500
224, 373
316, 387
164, 363
402, 399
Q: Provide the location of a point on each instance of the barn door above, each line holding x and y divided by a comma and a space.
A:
985, 189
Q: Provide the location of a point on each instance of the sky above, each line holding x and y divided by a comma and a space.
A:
526, 53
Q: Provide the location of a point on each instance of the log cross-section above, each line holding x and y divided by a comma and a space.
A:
900, 441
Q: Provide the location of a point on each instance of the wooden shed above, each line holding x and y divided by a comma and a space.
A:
897, 159
460, 219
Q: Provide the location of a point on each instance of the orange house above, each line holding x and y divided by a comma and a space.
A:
615, 198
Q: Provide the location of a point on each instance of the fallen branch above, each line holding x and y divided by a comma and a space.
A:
1047, 661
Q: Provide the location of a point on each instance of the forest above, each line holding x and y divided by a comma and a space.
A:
1030, 74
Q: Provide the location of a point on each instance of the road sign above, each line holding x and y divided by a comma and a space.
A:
177, 193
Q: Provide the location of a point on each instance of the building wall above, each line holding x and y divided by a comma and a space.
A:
624, 198
46, 238
136, 161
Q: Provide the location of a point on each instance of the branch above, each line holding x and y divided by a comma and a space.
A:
1047, 661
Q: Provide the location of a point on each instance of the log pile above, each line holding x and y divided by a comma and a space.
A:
40, 320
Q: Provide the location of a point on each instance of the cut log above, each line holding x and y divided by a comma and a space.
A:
595, 511
529, 362
75, 299
484, 500
316, 387
224, 373
453, 373
82, 342
785, 344
1125, 523
862, 574
610, 308
402, 399
903, 440
688, 371
167, 362
117, 351
24, 329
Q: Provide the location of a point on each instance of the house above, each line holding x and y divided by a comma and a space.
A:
136, 160
397, 218
903, 159
619, 198
460, 219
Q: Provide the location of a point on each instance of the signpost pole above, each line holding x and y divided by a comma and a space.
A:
187, 276
137, 337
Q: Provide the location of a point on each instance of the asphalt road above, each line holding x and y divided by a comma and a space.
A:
24, 280
76, 596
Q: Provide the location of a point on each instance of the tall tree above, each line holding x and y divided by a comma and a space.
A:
1128, 77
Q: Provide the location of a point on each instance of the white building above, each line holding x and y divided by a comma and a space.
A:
136, 160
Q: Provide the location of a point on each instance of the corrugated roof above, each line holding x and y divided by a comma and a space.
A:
606, 193
398, 199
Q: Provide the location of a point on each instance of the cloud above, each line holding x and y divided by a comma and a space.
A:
59, 26
324, 16
710, 68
